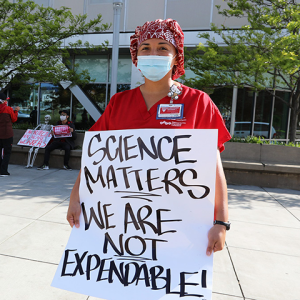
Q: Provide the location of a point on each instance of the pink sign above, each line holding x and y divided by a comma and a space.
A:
61, 131
35, 138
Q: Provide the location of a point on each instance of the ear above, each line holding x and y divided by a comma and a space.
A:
176, 60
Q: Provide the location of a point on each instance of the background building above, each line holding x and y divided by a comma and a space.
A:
271, 116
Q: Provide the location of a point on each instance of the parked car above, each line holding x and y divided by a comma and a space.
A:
23, 118
242, 129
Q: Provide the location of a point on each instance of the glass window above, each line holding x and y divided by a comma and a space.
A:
52, 101
244, 105
80, 117
237, 126
124, 69
95, 64
223, 99
280, 117
245, 126
97, 93
263, 107
26, 97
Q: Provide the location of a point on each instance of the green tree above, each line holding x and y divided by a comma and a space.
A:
34, 42
267, 47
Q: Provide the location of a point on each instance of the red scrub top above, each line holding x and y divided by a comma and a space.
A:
128, 110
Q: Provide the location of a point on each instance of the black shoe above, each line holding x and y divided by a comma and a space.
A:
66, 167
43, 167
5, 174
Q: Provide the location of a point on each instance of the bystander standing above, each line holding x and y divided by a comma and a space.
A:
8, 116
33, 116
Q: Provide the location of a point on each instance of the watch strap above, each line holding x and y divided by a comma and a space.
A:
226, 224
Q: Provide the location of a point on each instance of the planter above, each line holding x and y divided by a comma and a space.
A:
241, 152
271, 166
274, 154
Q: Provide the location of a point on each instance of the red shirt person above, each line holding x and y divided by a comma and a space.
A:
157, 51
8, 116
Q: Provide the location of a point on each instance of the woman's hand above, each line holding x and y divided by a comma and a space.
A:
216, 239
71, 129
74, 213
74, 205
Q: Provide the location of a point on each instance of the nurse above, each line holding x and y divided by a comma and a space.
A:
157, 50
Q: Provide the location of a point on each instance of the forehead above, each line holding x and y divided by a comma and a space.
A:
63, 113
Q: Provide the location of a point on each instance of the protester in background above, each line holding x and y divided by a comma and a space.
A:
157, 50
33, 116
84, 116
8, 116
66, 144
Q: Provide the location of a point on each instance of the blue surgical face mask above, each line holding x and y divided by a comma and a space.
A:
154, 67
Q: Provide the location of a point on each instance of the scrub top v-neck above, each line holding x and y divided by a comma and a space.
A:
142, 107
128, 110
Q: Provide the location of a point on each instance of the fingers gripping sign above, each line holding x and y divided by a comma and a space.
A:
73, 214
216, 239
74, 205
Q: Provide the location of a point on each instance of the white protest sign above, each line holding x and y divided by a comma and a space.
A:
35, 138
147, 199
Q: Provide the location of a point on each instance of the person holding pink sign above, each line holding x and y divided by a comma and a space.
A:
64, 142
157, 50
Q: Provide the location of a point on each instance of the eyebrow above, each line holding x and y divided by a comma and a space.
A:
160, 43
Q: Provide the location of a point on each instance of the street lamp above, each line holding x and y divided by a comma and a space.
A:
117, 6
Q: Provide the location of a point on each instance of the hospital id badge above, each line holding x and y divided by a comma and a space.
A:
169, 111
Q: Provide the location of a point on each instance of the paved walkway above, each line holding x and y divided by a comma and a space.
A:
261, 261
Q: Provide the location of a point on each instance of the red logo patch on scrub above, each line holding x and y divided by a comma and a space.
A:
169, 111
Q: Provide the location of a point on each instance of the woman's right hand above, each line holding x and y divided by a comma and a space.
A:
74, 205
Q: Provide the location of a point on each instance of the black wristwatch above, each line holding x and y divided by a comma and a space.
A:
226, 224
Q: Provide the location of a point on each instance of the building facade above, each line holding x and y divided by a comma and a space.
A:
266, 115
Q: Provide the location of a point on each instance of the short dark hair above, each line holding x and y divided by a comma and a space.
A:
3, 96
65, 111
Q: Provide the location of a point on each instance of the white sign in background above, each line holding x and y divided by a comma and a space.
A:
35, 138
147, 200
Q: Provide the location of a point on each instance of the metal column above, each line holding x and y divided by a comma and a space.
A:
233, 110
117, 6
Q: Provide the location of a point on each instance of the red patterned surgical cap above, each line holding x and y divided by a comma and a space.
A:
168, 30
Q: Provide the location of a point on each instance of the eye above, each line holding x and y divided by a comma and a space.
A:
163, 48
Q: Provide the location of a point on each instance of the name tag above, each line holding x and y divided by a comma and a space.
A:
169, 111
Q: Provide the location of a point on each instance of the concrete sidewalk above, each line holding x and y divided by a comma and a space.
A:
261, 261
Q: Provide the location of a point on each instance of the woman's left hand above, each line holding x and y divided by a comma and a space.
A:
216, 239
71, 129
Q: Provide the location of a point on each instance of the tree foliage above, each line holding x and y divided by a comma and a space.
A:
34, 42
263, 54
